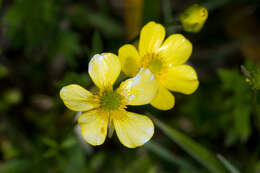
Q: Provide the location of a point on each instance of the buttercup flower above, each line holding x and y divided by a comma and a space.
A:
106, 111
164, 59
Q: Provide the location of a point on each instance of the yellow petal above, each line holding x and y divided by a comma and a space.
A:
93, 126
151, 38
77, 98
140, 89
132, 129
164, 100
104, 69
176, 49
181, 78
129, 59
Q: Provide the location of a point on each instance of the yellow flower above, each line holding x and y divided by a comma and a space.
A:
106, 110
164, 59
193, 18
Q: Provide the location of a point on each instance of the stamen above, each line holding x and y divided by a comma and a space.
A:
153, 62
111, 100
155, 66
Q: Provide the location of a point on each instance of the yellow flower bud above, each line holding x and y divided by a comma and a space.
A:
193, 18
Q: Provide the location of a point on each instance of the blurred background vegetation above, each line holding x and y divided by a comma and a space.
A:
47, 44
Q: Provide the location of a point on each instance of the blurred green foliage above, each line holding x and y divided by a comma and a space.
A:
47, 44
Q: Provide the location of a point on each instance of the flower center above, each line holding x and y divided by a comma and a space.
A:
154, 62
111, 100
155, 65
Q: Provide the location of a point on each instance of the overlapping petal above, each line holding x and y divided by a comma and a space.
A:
93, 126
104, 69
77, 98
176, 49
132, 129
151, 38
140, 89
164, 100
181, 78
129, 59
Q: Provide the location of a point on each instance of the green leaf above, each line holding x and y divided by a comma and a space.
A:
50, 142
242, 121
167, 155
68, 143
239, 103
197, 151
228, 165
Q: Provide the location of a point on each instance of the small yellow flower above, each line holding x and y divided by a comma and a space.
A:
247, 80
164, 59
106, 111
193, 18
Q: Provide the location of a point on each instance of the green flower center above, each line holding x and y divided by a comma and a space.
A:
155, 66
111, 100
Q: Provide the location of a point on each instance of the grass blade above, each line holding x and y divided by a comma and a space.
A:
198, 152
228, 165
168, 156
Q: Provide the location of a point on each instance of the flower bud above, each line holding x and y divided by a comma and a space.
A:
193, 18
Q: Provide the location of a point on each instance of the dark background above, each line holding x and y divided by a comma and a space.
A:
47, 44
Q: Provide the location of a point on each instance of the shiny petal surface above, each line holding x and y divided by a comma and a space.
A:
77, 98
181, 78
176, 49
140, 89
151, 38
164, 100
93, 126
104, 69
129, 59
132, 129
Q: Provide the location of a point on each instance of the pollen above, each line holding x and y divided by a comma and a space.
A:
111, 100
